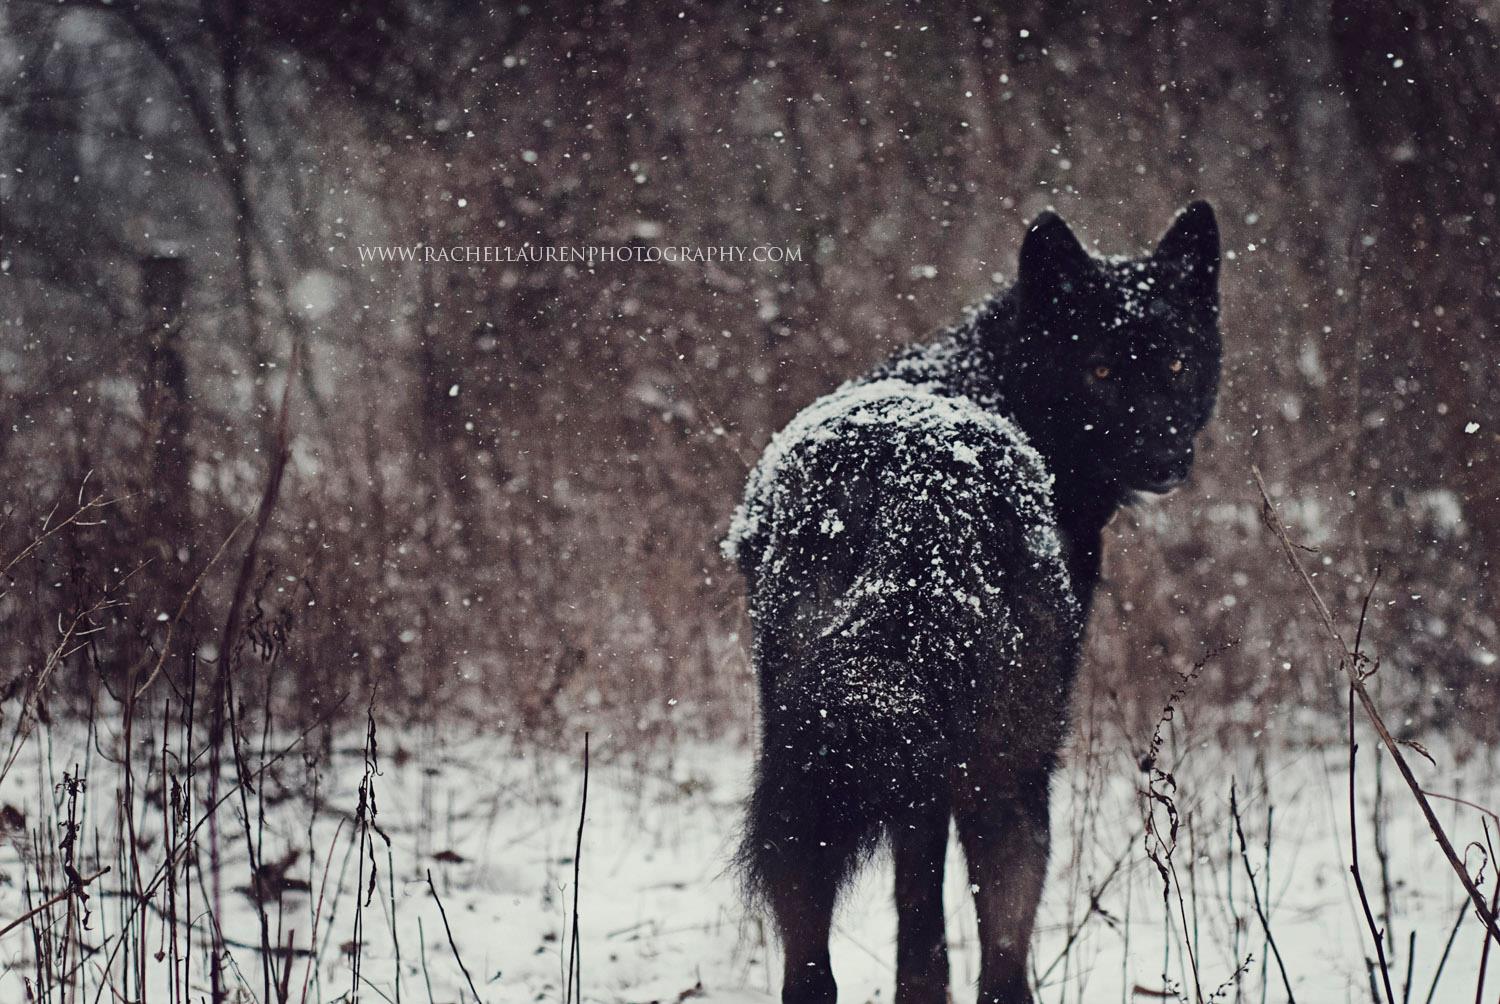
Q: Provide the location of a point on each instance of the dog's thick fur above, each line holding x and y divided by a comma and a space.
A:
921, 548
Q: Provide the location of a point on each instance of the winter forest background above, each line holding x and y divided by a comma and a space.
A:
505, 483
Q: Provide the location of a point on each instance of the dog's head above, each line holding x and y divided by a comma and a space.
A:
1122, 361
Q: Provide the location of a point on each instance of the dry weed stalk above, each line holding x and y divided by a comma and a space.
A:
1160, 794
451, 943
1352, 663
573, 987
1260, 909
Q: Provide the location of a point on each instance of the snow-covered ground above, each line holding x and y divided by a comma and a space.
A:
661, 919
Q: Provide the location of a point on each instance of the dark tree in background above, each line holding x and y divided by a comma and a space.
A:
508, 480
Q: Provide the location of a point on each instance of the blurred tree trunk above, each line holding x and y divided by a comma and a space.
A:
164, 405
1420, 77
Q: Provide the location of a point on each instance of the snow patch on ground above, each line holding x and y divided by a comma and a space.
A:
661, 918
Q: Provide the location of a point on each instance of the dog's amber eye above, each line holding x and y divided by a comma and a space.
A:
1175, 366
1101, 372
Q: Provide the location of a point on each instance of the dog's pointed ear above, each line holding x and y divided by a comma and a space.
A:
1191, 245
1050, 254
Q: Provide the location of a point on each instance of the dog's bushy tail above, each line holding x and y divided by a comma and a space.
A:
851, 745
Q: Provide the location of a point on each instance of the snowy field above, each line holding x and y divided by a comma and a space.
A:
660, 920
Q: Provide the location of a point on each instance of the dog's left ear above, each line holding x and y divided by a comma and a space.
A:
1191, 244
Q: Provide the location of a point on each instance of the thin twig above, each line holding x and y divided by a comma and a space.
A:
1095, 908
574, 986
312, 939
96, 502
72, 888
1463, 801
451, 943
1463, 911
422, 951
1260, 911
1484, 956
1376, 934
187, 598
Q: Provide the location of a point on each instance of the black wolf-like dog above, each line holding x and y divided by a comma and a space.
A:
921, 548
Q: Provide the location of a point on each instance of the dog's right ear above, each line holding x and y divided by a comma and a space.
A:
1051, 256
